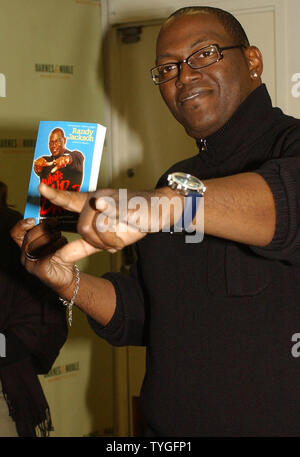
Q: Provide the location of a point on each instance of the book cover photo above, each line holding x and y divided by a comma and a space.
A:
67, 157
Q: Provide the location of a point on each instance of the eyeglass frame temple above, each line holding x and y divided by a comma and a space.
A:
178, 64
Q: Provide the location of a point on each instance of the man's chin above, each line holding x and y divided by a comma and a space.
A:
201, 122
202, 130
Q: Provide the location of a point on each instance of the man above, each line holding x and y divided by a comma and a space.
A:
62, 170
218, 317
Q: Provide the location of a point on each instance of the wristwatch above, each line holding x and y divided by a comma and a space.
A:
186, 184
193, 189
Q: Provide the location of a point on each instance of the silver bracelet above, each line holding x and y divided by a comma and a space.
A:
70, 304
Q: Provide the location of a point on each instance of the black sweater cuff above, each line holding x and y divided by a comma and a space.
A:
281, 205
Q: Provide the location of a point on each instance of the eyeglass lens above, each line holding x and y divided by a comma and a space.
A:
202, 58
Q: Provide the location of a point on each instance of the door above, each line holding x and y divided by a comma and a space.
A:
147, 140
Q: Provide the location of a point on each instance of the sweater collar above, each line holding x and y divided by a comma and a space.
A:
247, 124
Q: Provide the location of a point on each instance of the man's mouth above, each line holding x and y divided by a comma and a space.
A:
190, 96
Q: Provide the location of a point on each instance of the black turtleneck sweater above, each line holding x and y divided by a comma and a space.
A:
218, 317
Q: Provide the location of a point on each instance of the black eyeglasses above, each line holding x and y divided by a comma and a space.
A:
199, 59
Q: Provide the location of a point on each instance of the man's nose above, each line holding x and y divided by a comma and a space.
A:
186, 74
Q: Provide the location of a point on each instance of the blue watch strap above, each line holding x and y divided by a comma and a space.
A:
191, 205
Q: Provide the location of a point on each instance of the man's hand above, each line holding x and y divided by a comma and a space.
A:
41, 163
111, 220
55, 258
96, 296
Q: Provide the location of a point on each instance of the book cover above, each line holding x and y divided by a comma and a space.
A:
67, 157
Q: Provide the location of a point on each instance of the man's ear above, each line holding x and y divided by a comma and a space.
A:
255, 62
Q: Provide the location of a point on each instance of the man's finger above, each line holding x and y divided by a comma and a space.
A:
19, 231
74, 251
85, 226
72, 201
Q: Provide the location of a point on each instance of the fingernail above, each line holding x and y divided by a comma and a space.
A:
101, 204
29, 221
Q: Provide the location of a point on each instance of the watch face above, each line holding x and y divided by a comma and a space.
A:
187, 181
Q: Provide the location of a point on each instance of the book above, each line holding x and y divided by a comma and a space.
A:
67, 157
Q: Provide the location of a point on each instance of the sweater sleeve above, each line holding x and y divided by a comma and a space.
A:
283, 177
128, 324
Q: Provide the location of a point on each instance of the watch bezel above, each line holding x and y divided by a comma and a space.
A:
185, 189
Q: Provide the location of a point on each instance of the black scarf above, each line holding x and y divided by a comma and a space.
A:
34, 325
22, 390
